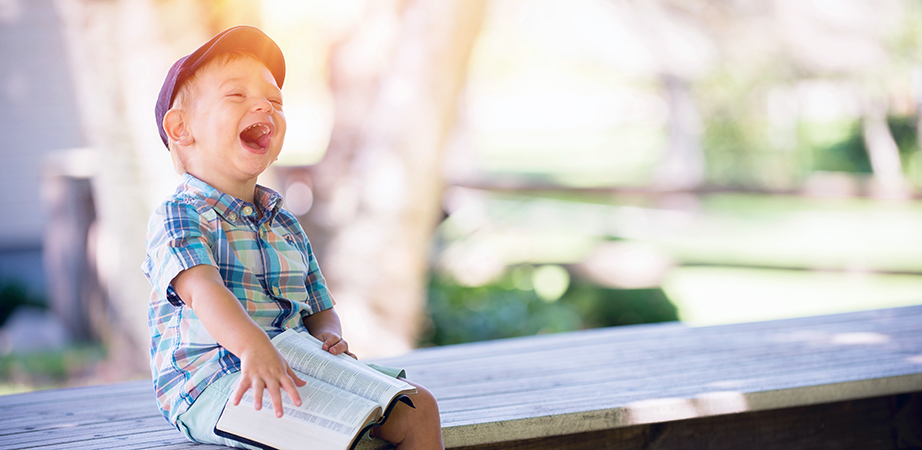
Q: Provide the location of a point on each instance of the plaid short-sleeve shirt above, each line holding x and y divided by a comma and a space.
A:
264, 258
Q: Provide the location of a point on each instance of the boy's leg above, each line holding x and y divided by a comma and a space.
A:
197, 424
409, 428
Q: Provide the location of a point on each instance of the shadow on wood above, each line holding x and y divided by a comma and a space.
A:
860, 424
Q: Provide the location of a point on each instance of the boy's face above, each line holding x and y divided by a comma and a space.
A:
236, 121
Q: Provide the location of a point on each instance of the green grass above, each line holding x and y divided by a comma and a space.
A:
22, 372
738, 257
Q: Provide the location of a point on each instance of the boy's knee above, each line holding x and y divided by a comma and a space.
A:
418, 427
424, 400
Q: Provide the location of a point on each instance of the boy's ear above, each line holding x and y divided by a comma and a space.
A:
174, 124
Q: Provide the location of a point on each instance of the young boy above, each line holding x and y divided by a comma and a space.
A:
230, 268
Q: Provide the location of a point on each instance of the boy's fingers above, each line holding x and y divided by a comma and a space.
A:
298, 381
335, 345
276, 395
329, 340
293, 395
258, 395
290, 386
238, 394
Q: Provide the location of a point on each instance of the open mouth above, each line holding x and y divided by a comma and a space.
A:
256, 136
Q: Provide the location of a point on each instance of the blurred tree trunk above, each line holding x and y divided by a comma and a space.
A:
395, 82
889, 180
72, 280
119, 52
683, 165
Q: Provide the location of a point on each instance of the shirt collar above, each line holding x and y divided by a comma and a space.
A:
232, 208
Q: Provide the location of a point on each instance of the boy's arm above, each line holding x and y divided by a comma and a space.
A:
325, 326
261, 366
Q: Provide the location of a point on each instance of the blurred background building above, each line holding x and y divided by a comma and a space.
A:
472, 170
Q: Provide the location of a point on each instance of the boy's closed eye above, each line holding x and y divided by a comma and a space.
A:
276, 102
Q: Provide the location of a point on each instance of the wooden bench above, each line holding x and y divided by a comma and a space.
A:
839, 381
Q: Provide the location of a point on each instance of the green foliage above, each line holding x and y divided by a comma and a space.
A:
836, 146
48, 368
741, 145
605, 307
466, 314
904, 42
733, 130
12, 296
504, 309
905, 133
839, 146
733, 151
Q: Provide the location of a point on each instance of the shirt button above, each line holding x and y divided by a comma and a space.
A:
275, 290
247, 210
232, 216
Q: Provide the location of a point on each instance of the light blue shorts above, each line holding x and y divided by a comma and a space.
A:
198, 422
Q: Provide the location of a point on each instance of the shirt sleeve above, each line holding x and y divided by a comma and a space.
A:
178, 238
317, 291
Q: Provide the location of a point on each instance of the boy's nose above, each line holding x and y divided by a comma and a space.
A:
263, 105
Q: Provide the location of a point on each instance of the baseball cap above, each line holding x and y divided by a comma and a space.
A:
242, 38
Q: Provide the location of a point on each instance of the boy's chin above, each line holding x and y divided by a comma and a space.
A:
259, 159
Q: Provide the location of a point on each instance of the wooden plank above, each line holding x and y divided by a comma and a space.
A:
695, 373
667, 332
744, 376
164, 438
82, 432
75, 414
541, 361
624, 378
69, 408
697, 369
463, 411
675, 404
835, 368
854, 424
674, 337
114, 390
560, 418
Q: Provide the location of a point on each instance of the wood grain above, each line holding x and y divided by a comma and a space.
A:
797, 383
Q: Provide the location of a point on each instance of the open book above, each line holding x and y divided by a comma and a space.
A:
342, 399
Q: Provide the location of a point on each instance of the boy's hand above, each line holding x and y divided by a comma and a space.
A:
334, 343
265, 368
325, 326
261, 365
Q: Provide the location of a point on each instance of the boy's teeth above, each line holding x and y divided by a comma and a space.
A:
264, 129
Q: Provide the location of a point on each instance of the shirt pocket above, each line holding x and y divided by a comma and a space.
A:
290, 269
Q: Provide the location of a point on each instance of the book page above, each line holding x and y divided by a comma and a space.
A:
327, 418
304, 354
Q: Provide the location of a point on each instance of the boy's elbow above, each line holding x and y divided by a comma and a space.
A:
195, 280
